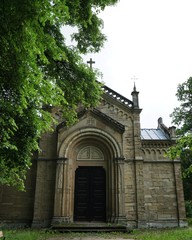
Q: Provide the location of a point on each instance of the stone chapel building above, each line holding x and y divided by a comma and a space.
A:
104, 168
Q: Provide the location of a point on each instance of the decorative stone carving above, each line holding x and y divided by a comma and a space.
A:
90, 153
91, 121
115, 110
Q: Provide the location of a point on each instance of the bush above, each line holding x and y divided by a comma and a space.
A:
188, 207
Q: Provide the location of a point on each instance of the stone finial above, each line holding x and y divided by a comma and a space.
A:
162, 126
172, 131
135, 97
160, 122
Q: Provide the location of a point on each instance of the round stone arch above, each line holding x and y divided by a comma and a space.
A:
87, 133
66, 167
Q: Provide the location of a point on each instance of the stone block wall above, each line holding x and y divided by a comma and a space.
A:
16, 207
160, 193
44, 193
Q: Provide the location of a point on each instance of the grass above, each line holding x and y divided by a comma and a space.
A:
169, 234
136, 234
24, 235
150, 234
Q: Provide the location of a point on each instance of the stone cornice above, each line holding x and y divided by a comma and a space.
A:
156, 143
51, 159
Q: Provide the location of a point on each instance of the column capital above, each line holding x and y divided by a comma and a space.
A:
61, 160
120, 159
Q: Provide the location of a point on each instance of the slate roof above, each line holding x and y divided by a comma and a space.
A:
153, 134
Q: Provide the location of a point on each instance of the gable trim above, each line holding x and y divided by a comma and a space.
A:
120, 127
115, 124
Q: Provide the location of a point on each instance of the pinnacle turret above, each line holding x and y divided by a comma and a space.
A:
135, 97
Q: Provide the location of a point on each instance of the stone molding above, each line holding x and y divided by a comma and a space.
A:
83, 133
156, 144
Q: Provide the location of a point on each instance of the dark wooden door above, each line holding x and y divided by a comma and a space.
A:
90, 194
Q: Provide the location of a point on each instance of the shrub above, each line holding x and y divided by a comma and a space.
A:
188, 207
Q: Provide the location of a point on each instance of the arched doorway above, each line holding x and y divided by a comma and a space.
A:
85, 152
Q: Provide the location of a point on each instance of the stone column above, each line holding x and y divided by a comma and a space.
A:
45, 180
44, 192
62, 201
139, 192
119, 191
139, 168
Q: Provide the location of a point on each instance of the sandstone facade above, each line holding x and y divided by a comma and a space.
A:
142, 187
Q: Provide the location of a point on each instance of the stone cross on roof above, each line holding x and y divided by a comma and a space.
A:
91, 62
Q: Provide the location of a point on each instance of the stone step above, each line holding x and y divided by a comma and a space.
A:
88, 228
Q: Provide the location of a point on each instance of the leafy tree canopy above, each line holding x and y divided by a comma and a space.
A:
182, 118
38, 71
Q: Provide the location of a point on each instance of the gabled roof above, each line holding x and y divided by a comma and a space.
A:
117, 96
154, 134
110, 121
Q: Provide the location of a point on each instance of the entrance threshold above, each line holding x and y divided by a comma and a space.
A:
89, 227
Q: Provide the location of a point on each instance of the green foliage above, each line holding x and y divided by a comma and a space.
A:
22, 235
183, 147
182, 118
189, 221
38, 71
188, 207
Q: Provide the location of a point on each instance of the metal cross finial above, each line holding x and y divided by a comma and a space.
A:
91, 62
134, 79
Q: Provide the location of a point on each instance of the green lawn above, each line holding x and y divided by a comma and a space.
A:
169, 234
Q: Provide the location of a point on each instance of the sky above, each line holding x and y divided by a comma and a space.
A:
150, 40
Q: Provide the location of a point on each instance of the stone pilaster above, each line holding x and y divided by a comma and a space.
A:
119, 191
45, 180
139, 174
44, 192
62, 194
139, 191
